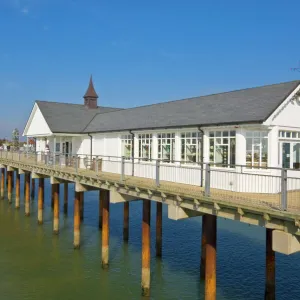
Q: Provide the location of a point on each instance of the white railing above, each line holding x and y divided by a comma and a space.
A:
283, 184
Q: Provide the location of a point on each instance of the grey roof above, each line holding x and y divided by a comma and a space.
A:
67, 117
242, 106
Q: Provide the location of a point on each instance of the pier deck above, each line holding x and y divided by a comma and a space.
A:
254, 208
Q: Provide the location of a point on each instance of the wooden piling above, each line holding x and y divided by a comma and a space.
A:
2, 183
32, 188
203, 245
100, 208
81, 205
158, 229
105, 228
13, 180
56, 208
270, 267
210, 257
9, 186
126, 222
27, 194
17, 201
66, 198
76, 242
41, 200
146, 248
52, 196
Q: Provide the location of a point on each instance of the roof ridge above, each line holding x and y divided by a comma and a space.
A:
56, 102
208, 95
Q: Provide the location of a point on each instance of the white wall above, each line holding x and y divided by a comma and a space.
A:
288, 116
37, 124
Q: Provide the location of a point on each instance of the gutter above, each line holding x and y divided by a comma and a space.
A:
202, 154
132, 151
91, 148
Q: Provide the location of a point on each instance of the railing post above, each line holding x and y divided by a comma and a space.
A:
96, 164
207, 180
284, 189
19, 155
76, 163
123, 168
157, 167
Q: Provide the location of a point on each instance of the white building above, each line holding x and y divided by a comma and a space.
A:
255, 127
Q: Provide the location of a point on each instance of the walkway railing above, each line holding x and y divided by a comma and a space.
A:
273, 187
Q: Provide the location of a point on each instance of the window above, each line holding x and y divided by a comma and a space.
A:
126, 141
290, 155
191, 147
289, 134
257, 148
166, 146
222, 148
145, 145
57, 147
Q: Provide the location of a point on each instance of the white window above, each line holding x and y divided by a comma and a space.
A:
222, 148
166, 146
145, 145
126, 141
257, 148
191, 147
289, 135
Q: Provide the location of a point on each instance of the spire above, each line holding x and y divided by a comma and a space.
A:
90, 97
91, 90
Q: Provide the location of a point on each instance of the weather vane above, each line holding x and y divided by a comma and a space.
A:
297, 68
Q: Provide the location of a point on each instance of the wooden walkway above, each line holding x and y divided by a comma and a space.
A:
254, 200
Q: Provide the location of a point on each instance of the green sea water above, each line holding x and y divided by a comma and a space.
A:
35, 264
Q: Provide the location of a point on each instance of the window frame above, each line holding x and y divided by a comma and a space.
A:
198, 146
126, 140
217, 139
145, 140
162, 143
260, 135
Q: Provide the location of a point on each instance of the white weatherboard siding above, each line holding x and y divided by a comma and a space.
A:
37, 126
112, 151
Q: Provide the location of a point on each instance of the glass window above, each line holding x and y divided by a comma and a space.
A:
166, 146
127, 144
57, 147
145, 146
191, 148
257, 148
222, 148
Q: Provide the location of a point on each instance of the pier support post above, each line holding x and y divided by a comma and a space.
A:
210, 259
158, 229
9, 185
52, 196
41, 200
13, 180
100, 208
81, 205
76, 242
17, 202
146, 248
105, 228
270, 267
66, 198
27, 194
32, 188
203, 245
126, 222
2, 183
55, 187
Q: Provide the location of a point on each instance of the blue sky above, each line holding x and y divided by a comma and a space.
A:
140, 52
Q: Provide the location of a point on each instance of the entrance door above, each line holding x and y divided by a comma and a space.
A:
286, 155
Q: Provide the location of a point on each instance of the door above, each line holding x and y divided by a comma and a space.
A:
286, 155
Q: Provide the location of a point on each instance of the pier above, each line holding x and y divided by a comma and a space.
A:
279, 213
